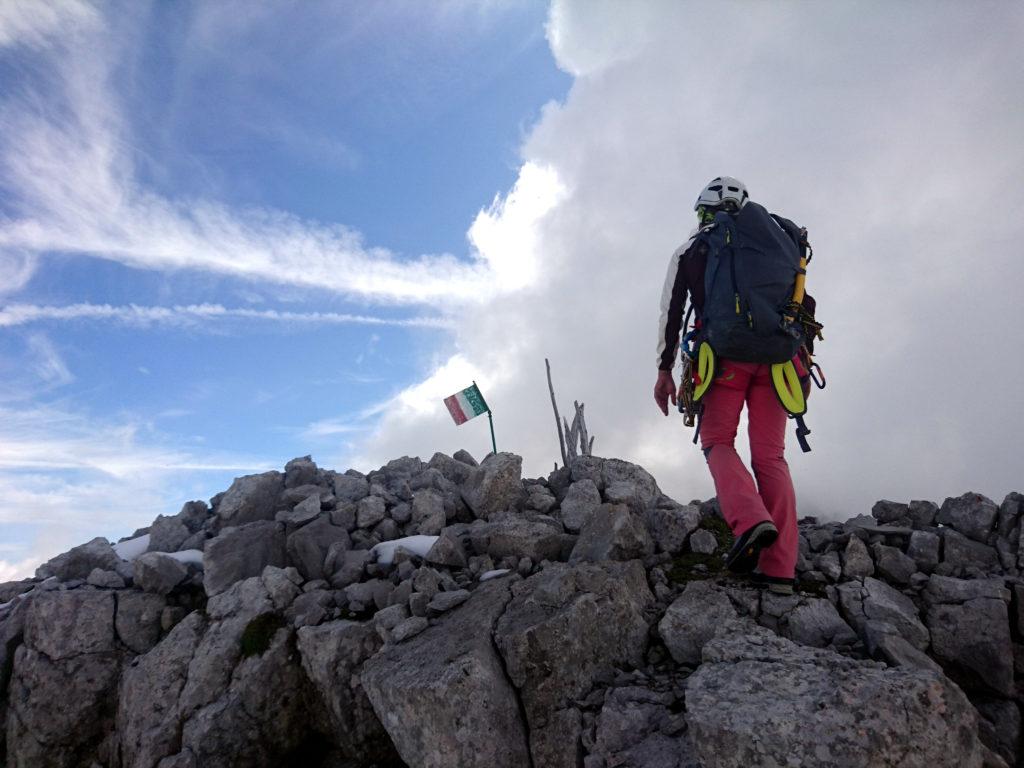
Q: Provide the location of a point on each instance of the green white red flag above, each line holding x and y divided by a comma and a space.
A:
466, 404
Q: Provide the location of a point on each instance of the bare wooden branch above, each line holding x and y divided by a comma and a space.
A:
558, 421
590, 448
584, 439
570, 438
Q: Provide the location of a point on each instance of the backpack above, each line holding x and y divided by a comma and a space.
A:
752, 265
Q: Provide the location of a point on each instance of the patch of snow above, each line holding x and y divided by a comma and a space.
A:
495, 574
132, 548
418, 545
193, 556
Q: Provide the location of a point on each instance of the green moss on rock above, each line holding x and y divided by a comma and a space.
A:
259, 633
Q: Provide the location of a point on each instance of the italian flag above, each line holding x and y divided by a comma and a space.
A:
466, 404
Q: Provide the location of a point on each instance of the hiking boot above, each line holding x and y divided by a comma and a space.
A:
742, 558
778, 585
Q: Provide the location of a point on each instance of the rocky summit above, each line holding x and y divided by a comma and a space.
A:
450, 614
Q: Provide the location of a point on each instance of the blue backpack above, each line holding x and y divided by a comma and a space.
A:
752, 264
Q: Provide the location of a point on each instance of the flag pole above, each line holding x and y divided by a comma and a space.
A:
490, 418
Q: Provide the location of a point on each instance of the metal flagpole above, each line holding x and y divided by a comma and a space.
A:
492, 420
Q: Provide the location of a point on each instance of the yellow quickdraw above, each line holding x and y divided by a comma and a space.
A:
788, 389
705, 370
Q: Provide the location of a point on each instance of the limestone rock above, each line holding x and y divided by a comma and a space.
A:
80, 561
250, 499
972, 514
924, 549
703, 542
496, 485
428, 513
593, 613
307, 547
349, 488
612, 533
105, 579
304, 512
641, 728
447, 551
960, 553
759, 699
670, 525
159, 573
167, 534
856, 560
239, 553
300, 471
692, 620
138, 621
443, 695
518, 538
877, 600
580, 502
63, 625
892, 565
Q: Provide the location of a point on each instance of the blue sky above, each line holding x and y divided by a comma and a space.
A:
232, 233
398, 122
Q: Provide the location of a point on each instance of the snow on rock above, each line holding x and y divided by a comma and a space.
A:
188, 556
131, 549
418, 545
495, 574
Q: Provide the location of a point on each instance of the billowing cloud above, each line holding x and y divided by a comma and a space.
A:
887, 130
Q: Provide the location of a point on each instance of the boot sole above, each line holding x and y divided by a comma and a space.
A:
745, 560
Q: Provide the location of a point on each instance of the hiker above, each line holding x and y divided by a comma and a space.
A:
762, 516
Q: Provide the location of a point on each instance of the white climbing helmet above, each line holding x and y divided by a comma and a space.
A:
722, 189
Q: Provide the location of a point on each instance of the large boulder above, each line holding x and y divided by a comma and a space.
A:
642, 728
307, 547
670, 524
759, 699
580, 502
592, 614
693, 619
443, 695
876, 600
495, 486
138, 619
613, 532
79, 562
238, 553
972, 514
250, 498
332, 656
516, 537
970, 631
63, 688
159, 573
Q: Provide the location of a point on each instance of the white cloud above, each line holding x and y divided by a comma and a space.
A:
67, 167
133, 314
872, 131
34, 24
47, 364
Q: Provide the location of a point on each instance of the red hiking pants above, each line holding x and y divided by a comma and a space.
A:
744, 504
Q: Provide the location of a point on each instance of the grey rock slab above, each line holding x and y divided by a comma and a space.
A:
892, 565
944, 589
960, 552
240, 553
703, 542
452, 469
370, 511
332, 655
972, 642
924, 549
692, 620
617, 471
828, 563
308, 546
922, 513
759, 699
148, 713
641, 728
281, 585
443, 694
350, 489
856, 559
496, 485
60, 709
516, 537
447, 551
580, 502
303, 512
105, 579
428, 515
815, 622
612, 533
167, 534
671, 525
159, 573
891, 513
876, 600
300, 471
63, 625
250, 499
409, 628
885, 643
445, 601
593, 614
310, 608
349, 567
138, 621
79, 562
972, 514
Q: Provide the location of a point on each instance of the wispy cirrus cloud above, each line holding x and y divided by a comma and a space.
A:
67, 168
132, 314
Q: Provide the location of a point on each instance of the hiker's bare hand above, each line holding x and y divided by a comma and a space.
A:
665, 390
